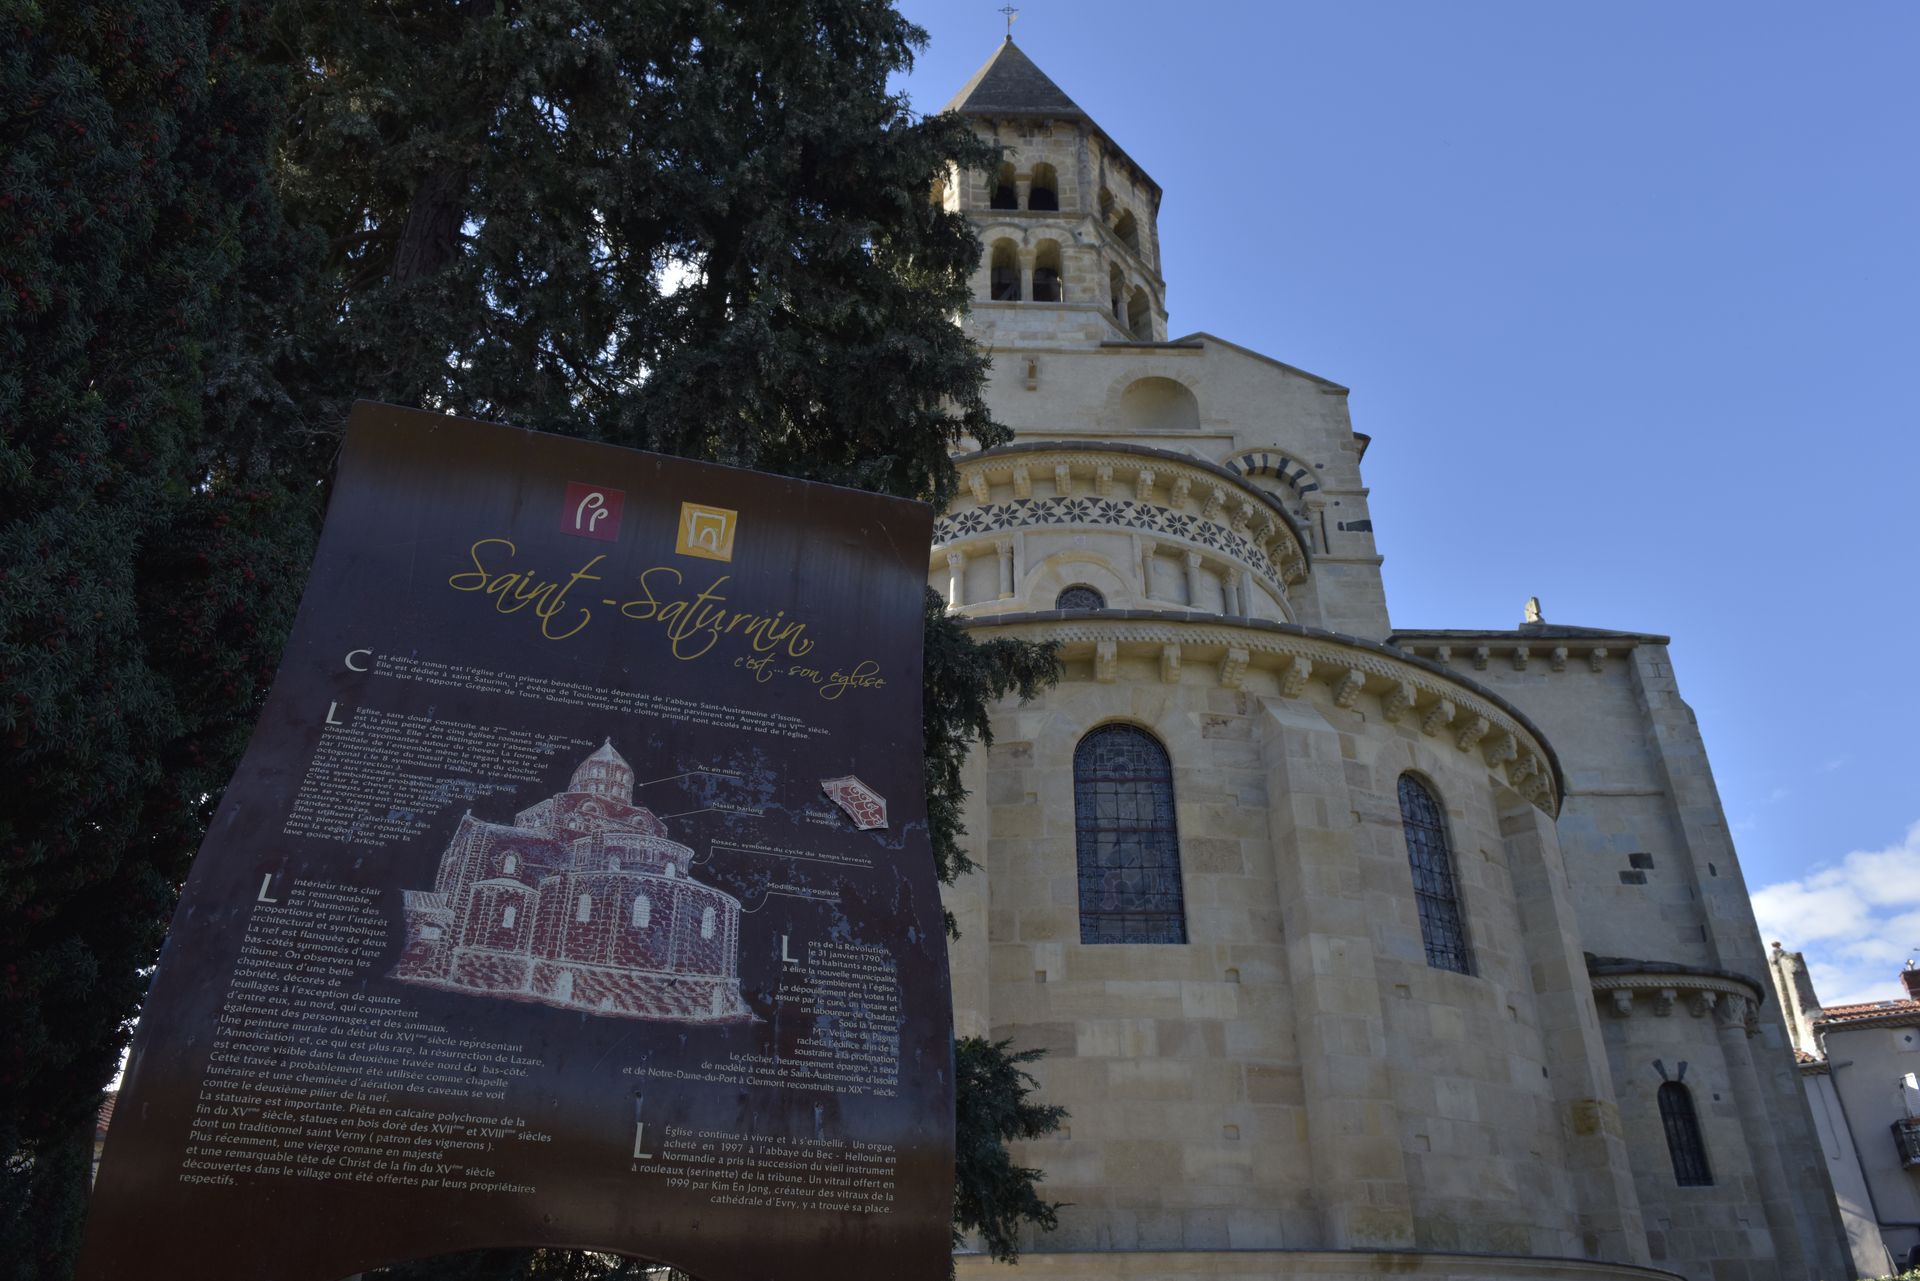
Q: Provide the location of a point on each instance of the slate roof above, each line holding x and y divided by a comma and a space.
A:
1009, 84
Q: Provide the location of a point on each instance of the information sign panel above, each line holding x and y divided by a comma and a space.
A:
575, 890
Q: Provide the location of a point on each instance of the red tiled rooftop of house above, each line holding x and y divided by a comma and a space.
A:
1869, 1010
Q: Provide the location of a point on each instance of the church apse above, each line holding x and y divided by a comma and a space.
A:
582, 902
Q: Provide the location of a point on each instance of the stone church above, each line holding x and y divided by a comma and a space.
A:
1353, 948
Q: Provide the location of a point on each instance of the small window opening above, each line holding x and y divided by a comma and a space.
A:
1435, 894
583, 910
1005, 272
1129, 231
506, 917
1043, 193
707, 922
1139, 316
1684, 1145
1046, 273
1005, 195
642, 912
1079, 596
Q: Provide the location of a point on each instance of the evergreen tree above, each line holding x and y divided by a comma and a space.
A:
146, 542
693, 227
673, 224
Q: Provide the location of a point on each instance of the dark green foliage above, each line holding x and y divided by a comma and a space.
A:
673, 224
995, 1196
146, 546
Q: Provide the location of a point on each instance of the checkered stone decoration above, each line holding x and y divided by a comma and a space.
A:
866, 807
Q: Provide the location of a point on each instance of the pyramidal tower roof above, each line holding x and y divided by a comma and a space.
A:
1009, 84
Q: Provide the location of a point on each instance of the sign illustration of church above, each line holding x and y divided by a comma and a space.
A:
581, 902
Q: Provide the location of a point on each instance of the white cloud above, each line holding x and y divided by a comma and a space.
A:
1858, 920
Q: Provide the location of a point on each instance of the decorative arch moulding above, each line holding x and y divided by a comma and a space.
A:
1307, 662
1143, 490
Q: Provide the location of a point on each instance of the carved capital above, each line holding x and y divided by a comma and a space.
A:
1472, 732
1003, 547
956, 561
977, 482
1170, 664
1397, 700
1022, 481
1346, 689
1559, 658
1438, 716
1294, 677
1106, 663
1233, 668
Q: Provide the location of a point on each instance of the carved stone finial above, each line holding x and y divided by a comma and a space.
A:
1533, 610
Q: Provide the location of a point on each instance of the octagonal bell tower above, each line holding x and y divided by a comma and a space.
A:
1068, 222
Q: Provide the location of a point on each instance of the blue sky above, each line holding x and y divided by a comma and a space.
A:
1626, 294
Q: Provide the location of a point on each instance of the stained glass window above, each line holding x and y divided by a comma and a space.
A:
1683, 1137
1128, 846
1079, 596
1434, 892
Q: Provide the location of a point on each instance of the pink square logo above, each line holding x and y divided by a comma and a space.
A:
592, 511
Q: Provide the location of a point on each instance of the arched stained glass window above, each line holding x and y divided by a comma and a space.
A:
1079, 596
1683, 1137
1128, 846
1434, 891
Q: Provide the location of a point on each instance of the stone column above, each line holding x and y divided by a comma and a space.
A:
1597, 1158
956, 579
1246, 593
1757, 1124
1193, 580
1003, 549
1147, 546
1359, 1171
1230, 593
1026, 267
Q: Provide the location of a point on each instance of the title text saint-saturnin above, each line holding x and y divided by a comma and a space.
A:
693, 622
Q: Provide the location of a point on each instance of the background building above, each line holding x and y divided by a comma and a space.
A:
1352, 946
1858, 1064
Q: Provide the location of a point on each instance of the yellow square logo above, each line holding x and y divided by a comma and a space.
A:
706, 532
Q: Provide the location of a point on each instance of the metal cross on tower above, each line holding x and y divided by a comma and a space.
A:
1011, 13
